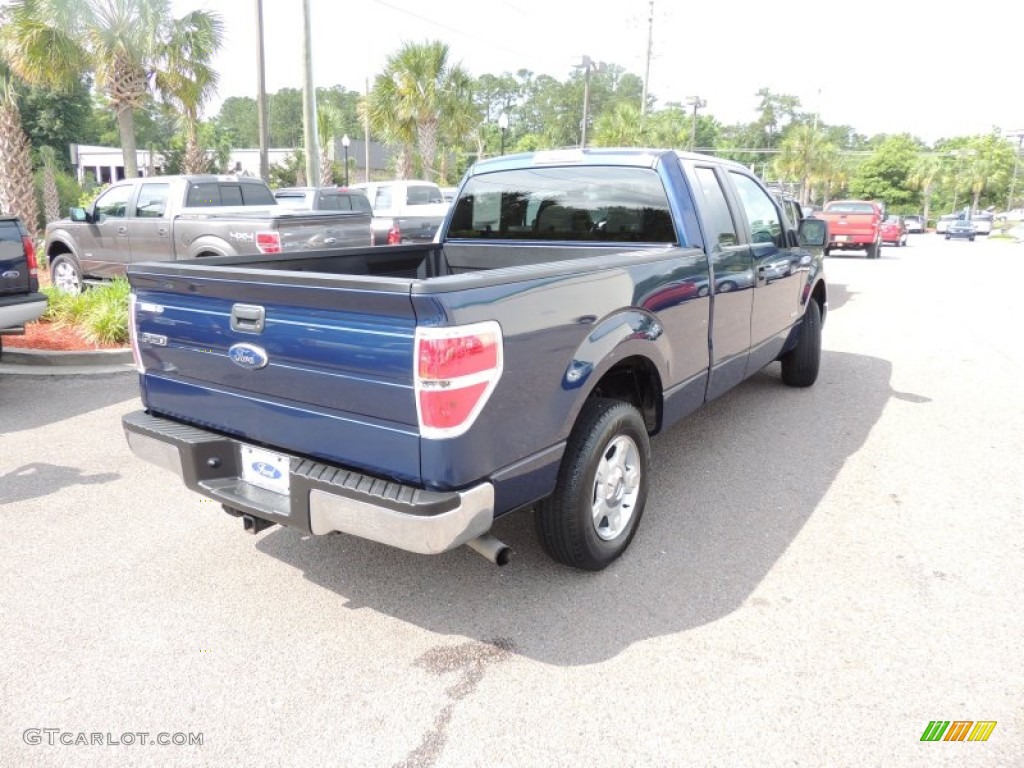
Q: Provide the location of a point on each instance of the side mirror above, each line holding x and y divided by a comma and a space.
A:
812, 233
78, 214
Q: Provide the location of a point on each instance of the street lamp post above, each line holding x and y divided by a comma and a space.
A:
503, 125
345, 141
697, 103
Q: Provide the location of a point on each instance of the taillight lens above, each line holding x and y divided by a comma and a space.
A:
133, 333
456, 370
268, 242
394, 235
30, 253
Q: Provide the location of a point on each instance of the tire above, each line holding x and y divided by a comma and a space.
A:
800, 365
66, 275
972, 239
872, 251
947, 237
608, 451
825, 253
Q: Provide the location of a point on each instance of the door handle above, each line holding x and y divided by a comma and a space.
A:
248, 318
161, 232
122, 230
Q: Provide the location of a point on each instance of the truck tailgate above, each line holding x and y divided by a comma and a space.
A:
322, 368
323, 229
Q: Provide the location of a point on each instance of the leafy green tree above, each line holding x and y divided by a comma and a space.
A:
885, 175
620, 127
238, 118
54, 118
284, 117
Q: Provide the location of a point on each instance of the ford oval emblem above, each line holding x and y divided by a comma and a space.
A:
263, 469
11, 274
248, 356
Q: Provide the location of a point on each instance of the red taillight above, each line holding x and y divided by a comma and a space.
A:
394, 235
30, 254
133, 333
456, 371
268, 242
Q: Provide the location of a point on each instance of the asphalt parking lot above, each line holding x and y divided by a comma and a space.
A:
819, 574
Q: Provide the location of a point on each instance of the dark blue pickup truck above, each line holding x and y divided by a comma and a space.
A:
577, 302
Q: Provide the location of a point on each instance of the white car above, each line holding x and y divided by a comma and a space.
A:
942, 225
982, 223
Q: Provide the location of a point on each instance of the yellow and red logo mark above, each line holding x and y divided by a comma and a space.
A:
958, 730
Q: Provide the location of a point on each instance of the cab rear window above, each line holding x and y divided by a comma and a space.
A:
565, 204
205, 194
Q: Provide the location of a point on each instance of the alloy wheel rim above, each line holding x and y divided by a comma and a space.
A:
66, 278
616, 488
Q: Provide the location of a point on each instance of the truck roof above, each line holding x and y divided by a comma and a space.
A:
630, 156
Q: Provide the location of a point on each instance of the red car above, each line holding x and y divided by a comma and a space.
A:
894, 231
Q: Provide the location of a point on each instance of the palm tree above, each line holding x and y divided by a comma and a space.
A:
119, 41
51, 197
925, 176
17, 187
185, 78
328, 123
416, 91
620, 127
804, 155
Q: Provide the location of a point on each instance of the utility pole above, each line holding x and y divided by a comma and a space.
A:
647, 69
366, 133
697, 103
309, 101
261, 95
587, 65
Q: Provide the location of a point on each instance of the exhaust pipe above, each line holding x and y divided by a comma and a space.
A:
494, 550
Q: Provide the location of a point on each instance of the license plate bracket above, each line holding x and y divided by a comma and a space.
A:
265, 469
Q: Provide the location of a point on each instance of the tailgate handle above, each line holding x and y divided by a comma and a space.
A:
247, 318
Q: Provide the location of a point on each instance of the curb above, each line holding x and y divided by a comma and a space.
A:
42, 362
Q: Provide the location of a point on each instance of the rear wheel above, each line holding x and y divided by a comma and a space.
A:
800, 365
594, 512
872, 251
66, 275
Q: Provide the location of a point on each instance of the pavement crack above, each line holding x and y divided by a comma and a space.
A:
468, 661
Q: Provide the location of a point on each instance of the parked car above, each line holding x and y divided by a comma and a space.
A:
405, 211
20, 299
172, 218
894, 231
853, 225
982, 223
915, 224
943, 222
323, 199
961, 229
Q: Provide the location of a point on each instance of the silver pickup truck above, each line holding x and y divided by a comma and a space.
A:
171, 218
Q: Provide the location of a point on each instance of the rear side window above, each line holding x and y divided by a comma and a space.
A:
591, 203
422, 194
763, 223
717, 218
256, 194
344, 202
204, 194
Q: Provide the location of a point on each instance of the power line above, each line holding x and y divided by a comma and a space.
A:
436, 23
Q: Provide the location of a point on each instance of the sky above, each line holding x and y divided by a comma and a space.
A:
931, 69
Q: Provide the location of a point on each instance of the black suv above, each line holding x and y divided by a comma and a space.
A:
20, 300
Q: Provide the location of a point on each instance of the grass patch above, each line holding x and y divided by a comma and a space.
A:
100, 314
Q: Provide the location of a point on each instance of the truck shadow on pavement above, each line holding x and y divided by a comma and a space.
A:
732, 487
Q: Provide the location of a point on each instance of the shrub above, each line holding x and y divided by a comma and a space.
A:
100, 314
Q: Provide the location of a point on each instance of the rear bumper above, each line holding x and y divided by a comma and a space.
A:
23, 308
322, 498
